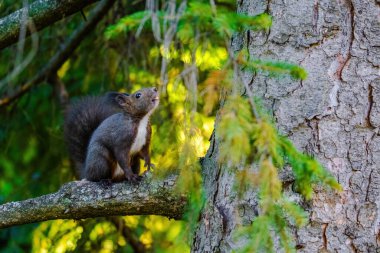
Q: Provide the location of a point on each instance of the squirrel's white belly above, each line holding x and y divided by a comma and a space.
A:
140, 138
118, 172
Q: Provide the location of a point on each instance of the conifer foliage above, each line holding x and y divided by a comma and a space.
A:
248, 137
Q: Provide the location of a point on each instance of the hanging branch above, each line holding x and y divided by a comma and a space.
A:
63, 54
59, 89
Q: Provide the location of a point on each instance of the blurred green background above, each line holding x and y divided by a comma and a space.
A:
33, 156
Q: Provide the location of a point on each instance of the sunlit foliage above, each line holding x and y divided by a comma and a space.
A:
248, 138
103, 235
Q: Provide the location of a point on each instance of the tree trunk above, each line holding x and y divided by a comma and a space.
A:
333, 115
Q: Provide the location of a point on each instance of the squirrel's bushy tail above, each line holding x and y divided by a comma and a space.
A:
82, 117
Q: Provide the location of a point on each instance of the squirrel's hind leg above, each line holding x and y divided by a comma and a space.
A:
97, 166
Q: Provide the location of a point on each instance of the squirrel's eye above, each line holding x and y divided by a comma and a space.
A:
138, 95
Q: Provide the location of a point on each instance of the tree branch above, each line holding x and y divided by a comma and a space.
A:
63, 54
42, 13
84, 199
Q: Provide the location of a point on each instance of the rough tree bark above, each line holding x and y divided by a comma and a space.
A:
334, 115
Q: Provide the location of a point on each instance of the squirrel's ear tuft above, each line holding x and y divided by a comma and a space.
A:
121, 99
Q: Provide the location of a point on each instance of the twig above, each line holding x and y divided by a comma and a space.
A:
172, 16
59, 89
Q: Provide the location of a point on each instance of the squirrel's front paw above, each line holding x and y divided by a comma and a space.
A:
131, 177
149, 165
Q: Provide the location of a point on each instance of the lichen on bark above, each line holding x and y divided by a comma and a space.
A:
84, 199
41, 13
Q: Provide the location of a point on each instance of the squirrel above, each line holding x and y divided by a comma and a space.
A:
107, 136
82, 117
